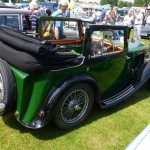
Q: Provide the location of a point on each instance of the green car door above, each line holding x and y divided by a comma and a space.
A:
108, 58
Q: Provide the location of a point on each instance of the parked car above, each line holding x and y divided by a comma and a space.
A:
18, 19
84, 17
3, 5
61, 79
145, 32
14, 17
52, 5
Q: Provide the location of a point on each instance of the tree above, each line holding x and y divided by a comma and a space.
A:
121, 4
130, 4
104, 2
124, 4
146, 2
140, 3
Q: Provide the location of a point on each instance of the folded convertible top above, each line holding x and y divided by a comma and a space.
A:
30, 55
22, 42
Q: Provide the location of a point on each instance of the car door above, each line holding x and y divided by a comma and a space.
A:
107, 57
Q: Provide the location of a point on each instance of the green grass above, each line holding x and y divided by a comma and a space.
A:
111, 129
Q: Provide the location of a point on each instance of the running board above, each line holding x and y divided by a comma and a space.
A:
118, 97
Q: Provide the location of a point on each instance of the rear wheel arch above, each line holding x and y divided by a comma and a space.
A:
92, 84
56, 93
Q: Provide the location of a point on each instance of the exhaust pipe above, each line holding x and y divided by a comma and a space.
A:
2, 107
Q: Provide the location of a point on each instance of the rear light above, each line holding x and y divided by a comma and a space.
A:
41, 113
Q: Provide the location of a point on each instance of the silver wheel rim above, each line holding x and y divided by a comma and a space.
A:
1, 89
74, 106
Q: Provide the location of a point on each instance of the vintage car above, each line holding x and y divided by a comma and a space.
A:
43, 79
15, 18
145, 31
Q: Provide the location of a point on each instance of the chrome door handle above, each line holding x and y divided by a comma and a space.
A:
127, 57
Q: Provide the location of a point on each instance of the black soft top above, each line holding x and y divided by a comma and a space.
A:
30, 54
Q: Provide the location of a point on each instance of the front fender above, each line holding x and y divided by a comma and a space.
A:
146, 73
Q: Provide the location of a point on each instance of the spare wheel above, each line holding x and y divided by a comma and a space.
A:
7, 89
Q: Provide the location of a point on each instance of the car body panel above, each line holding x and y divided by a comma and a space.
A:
14, 11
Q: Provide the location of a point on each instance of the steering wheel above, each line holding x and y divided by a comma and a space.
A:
108, 46
98, 47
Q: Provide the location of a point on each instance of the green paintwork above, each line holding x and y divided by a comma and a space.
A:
33, 89
110, 75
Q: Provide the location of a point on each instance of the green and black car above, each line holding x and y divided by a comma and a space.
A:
43, 79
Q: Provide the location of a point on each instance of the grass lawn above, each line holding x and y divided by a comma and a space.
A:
111, 129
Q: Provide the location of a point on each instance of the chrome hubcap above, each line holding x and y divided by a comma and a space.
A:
74, 106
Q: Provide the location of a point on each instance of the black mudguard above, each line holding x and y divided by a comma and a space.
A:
146, 73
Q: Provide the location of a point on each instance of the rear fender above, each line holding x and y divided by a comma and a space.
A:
55, 94
46, 110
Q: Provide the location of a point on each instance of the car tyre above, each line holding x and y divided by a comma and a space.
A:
74, 106
7, 89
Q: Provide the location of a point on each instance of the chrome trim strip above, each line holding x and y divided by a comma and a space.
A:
2, 106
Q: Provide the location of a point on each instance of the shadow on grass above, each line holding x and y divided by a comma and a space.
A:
50, 132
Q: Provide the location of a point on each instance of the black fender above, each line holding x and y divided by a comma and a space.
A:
54, 95
146, 73
46, 111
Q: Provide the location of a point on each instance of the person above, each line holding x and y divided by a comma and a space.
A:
116, 15
143, 20
128, 19
138, 24
96, 16
111, 10
58, 25
110, 19
34, 18
120, 22
103, 13
147, 19
48, 12
67, 14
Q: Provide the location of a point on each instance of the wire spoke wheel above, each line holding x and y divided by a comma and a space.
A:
74, 106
